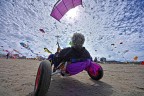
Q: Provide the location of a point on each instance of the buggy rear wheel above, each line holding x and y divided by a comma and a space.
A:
43, 78
99, 73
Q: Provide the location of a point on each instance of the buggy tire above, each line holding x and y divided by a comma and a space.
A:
99, 73
43, 78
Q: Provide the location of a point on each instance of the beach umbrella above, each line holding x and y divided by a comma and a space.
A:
62, 7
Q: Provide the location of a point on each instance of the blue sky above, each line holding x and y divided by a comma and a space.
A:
110, 27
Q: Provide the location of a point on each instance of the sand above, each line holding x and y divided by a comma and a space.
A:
17, 77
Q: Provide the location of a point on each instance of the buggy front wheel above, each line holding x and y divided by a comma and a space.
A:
43, 78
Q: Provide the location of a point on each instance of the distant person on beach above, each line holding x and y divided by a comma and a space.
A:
7, 56
95, 60
75, 53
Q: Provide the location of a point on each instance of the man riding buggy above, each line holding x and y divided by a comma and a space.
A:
68, 61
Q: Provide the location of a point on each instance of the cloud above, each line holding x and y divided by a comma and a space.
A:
102, 22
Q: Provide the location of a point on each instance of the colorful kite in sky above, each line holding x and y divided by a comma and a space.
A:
46, 50
126, 51
62, 7
5, 50
42, 30
17, 51
135, 58
121, 42
24, 45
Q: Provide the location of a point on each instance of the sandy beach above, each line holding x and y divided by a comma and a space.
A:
17, 77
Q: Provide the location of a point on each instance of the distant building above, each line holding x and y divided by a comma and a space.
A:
113, 62
23, 57
103, 59
40, 58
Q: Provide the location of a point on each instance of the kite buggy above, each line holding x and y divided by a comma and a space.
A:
67, 62
44, 73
